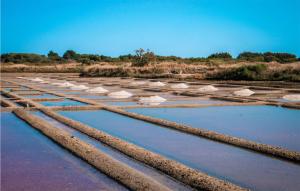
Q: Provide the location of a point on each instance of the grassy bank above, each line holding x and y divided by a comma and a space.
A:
214, 70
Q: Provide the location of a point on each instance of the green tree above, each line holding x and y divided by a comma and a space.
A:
71, 55
53, 56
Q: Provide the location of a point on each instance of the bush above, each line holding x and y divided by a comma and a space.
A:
70, 55
250, 72
221, 55
251, 56
23, 58
143, 58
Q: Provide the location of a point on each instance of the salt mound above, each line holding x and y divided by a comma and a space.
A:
66, 84
157, 84
292, 97
208, 88
37, 80
244, 92
80, 87
137, 83
97, 90
120, 94
152, 100
179, 86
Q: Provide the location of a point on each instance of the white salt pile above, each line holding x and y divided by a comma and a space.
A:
138, 83
208, 88
244, 92
156, 84
37, 80
98, 90
80, 87
120, 94
292, 97
152, 100
179, 86
65, 84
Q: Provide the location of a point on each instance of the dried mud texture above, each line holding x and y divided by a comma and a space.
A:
189, 176
243, 143
108, 165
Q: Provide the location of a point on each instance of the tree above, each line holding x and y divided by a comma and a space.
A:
143, 58
71, 54
53, 56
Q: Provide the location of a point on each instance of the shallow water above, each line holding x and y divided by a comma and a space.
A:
170, 182
42, 96
66, 102
266, 124
243, 167
31, 161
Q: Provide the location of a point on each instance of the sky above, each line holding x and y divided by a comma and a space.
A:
186, 28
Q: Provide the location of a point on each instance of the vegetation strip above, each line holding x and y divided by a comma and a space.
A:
175, 169
108, 165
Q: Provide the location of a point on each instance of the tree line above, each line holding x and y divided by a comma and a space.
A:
142, 57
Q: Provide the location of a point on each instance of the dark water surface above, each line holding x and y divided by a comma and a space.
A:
265, 124
243, 167
31, 161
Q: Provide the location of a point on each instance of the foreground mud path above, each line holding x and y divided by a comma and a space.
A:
129, 177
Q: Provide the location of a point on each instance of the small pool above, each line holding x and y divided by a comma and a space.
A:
66, 102
31, 161
265, 124
242, 167
42, 96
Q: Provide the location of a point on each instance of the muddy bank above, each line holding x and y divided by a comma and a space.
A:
115, 169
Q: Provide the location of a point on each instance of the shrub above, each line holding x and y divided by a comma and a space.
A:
249, 72
143, 58
221, 55
70, 55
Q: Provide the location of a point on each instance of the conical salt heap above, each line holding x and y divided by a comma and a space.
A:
137, 83
179, 86
292, 97
80, 87
97, 90
156, 84
152, 100
37, 80
208, 88
120, 94
244, 92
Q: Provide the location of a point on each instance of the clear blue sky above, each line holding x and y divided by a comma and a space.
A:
168, 27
